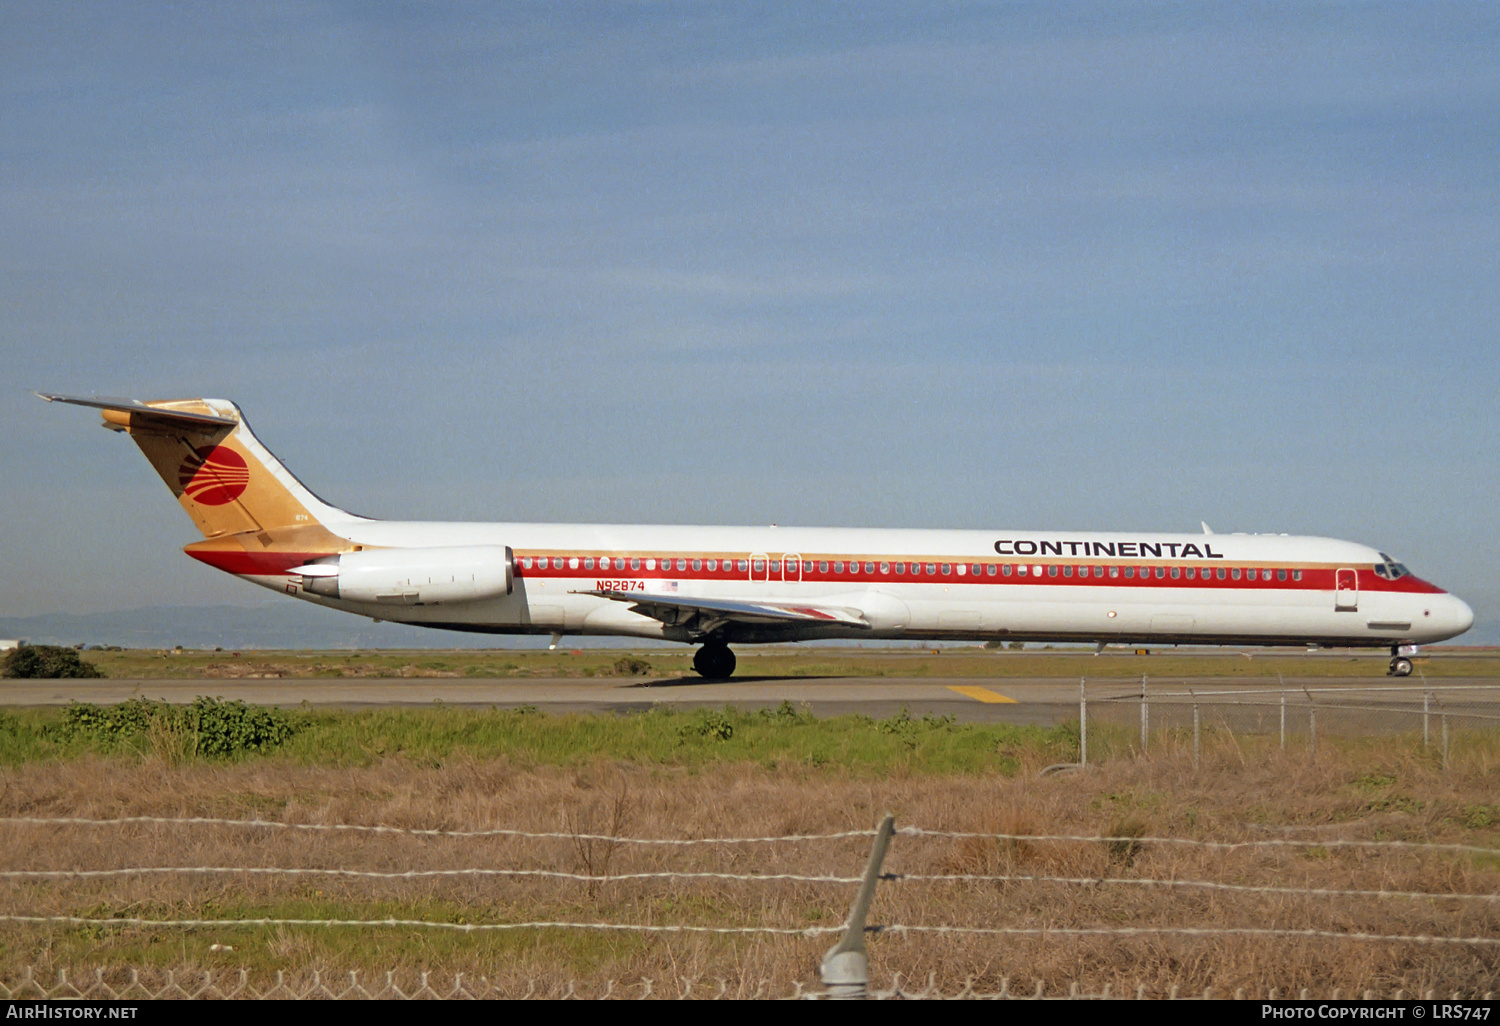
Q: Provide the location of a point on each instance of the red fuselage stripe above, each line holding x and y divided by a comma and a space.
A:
1320, 578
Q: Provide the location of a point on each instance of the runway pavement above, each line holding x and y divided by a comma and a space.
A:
1043, 701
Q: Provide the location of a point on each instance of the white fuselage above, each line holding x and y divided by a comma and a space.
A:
1021, 585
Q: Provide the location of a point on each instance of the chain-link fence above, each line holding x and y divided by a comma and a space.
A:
1157, 715
135, 984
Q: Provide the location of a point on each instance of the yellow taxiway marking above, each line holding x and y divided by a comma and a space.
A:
982, 694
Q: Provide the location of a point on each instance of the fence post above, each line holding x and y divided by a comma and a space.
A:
1083, 723
1145, 715
1283, 719
1426, 709
1443, 717
1195, 732
845, 970
1312, 730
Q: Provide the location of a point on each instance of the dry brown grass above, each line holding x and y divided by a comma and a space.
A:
1231, 797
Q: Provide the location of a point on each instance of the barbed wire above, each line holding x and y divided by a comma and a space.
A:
415, 874
1181, 931
898, 929
910, 831
419, 831
1200, 884
801, 931
1192, 841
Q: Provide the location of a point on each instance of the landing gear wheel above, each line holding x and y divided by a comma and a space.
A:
1400, 667
714, 661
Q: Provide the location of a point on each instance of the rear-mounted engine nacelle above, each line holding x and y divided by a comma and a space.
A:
413, 576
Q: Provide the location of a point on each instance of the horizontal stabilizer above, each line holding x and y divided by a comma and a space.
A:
153, 414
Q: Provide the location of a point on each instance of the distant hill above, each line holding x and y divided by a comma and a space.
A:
275, 625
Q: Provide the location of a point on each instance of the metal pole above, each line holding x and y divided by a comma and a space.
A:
1283, 719
1426, 709
1444, 717
846, 968
1312, 730
1145, 715
1083, 723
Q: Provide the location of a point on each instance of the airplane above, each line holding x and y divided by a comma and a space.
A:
717, 586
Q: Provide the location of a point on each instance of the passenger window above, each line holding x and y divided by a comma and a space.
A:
1114, 571
1005, 569
900, 568
947, 569
1023, 569
760, 566
1219, 573
931, 568
635, 562
1250, 574
963, 569
1130, 571
1161, 572
838, 566
1067, 571
885, 568
1281, 575
1176, 573
588, 563
989, 569
1296, 575
1052, 570
682, 564
650, 564
807, 566
713, 564
1190, 573
742, 565
697, 564
1234, 573
573, 563
775, 566
525, 562
869, 568
822, 566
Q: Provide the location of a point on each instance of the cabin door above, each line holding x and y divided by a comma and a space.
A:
1345, 590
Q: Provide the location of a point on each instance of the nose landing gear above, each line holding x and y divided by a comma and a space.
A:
714, 661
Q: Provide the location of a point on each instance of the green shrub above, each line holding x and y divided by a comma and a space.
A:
209, 727
46, 661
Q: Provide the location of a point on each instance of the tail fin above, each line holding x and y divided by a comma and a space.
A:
238, 494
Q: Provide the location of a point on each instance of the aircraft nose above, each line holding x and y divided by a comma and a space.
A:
1463, 616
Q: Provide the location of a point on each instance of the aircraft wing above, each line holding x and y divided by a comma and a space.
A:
707, 614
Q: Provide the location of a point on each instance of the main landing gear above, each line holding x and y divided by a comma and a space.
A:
1400, 663
714, 661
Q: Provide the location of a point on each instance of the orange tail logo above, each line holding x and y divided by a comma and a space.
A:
214, 475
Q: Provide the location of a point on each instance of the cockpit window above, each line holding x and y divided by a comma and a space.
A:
1389, 569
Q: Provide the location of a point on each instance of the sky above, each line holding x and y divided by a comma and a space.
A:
1071, 266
